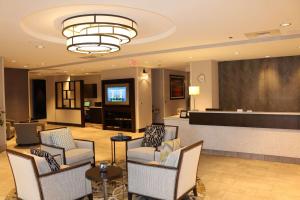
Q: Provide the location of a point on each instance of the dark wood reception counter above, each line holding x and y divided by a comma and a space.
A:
277, 120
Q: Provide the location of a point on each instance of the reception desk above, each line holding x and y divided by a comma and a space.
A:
256, 135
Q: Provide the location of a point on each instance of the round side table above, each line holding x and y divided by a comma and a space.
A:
115, 139
112, 173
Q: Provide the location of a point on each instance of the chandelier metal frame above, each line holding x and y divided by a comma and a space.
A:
111, 32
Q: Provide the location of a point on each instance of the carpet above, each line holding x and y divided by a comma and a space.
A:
117, 189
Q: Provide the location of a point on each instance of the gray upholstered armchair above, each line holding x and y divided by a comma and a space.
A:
135, 151
27, 134
34, 181
166, 181
84, 150
10, 129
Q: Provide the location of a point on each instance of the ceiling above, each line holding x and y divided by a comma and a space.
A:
171, 33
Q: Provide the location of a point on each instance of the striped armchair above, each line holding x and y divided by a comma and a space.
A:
84, 151
165, 181
34, 181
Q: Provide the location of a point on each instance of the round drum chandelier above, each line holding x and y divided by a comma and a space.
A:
98, 33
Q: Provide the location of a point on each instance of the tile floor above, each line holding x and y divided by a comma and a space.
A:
224, 178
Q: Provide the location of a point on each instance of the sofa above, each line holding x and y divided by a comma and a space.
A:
135, 151
84, 150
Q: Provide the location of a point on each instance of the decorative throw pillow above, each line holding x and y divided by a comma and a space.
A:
54, 166
154, 135
63, 138
168, 147
173, 159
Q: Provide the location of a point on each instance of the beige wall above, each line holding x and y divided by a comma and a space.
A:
91, 79
59, 115
2, 106
209, 89
163, 106
172, 106
143, 92
158, 95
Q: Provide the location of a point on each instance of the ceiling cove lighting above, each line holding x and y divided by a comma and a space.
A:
98, 33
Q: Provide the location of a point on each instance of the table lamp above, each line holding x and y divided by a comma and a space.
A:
194, 91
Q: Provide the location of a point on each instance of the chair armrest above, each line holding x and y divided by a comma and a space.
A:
67, 183
54, 150
134, 143
153, 180
85, 144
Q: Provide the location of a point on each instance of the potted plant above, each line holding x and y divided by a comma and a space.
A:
1, 118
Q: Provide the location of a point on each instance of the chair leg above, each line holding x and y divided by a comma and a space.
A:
90, 196
129, 196
195, 191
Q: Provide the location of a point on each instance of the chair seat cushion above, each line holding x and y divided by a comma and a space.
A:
77, 155
141, 153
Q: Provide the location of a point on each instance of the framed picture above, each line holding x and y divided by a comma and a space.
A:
177, 87
184, 114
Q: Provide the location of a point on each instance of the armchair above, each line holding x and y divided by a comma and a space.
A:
67, 183
10, 129
135, 151
84, 151
165, 182
26, 134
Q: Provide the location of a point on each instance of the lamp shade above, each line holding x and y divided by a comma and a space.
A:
194, 90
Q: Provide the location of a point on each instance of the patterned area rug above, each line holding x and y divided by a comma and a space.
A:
117, 189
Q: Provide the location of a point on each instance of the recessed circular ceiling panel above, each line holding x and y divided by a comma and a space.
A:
46, 24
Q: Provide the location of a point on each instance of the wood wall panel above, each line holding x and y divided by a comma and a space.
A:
271, 84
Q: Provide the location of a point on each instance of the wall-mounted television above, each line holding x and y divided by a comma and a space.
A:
90, 90
117, 94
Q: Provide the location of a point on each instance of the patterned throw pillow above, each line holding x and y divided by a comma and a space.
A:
54, 166
168, 147
63, 138
154, 135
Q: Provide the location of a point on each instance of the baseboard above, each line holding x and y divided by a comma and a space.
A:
2, 148
65, 124
141, 130
252, 156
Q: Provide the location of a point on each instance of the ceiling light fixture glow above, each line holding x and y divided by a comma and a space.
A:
285, 24
98, 33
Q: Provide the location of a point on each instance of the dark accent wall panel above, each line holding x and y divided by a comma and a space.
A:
270, 84
16, 94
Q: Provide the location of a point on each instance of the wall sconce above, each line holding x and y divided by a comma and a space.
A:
145, 75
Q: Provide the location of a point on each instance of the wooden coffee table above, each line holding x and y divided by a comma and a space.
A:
112, 173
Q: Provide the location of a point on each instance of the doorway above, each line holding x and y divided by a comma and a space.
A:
39, 99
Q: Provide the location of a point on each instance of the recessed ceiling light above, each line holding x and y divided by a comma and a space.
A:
190, 57
39, 46
236, 53
13, 61
267, 56
285, 24
87, 73
25, 66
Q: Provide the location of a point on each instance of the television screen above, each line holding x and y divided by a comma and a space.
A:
90, 90
87, 103
117, 94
